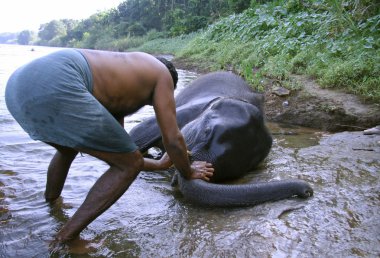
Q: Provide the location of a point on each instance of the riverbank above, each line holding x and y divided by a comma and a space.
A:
326, 109
310, 105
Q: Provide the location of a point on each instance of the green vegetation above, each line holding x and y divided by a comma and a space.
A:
165, 45
335, 42
122, 26
135, 18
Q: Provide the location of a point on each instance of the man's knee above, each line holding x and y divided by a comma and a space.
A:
131, 163
136, 161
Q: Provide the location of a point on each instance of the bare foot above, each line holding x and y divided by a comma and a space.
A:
75, 246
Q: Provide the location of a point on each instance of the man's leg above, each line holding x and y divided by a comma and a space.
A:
124, 168
57, 171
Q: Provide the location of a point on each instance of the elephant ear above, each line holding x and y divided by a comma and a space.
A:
146, 134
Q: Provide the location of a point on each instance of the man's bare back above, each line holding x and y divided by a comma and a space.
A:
124, 82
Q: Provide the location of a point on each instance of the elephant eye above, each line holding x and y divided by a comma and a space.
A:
207, 130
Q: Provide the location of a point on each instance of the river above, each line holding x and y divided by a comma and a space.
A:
153, 220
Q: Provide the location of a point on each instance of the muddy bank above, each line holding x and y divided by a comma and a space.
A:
312, 106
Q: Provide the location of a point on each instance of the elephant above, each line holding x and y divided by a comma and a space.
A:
222, 121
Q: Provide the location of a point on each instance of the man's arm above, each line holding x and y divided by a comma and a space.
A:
164, 107
153, 165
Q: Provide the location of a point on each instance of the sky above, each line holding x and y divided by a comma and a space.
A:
19, 15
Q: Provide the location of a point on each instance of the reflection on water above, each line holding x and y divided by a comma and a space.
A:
153, 220
294, 136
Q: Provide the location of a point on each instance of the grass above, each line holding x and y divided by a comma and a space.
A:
162, 45
335, 42
336, 46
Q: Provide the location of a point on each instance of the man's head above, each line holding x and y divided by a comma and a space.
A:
171, 69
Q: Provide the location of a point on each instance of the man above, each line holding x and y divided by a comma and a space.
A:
76, 101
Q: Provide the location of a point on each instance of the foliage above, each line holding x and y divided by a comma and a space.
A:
52, 29
335, 41
137, 17
25, 37
54, 33
163, 45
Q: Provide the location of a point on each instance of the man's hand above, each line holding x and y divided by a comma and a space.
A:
165, 162
201, 170
153, 165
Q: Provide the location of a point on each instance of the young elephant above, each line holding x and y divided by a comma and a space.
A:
221, 119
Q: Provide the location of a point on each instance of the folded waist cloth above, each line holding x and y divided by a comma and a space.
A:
51, 98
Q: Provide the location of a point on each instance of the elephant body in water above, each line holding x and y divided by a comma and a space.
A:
221, 119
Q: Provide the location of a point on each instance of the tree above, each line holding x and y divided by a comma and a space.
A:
137, 17
25, 37
51, 30
136, 29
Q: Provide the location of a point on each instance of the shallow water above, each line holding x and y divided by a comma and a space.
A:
153, 220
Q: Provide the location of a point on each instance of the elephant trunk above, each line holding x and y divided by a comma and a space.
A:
204, 193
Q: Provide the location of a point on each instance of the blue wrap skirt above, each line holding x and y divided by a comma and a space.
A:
51, 98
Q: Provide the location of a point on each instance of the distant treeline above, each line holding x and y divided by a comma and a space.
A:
161, 18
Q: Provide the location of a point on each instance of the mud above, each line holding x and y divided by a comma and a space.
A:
329, 110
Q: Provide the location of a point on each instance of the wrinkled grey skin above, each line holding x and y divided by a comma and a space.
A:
222, 121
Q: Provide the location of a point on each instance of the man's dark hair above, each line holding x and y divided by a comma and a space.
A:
171, 69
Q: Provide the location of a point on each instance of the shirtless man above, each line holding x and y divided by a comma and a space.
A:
76, 101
